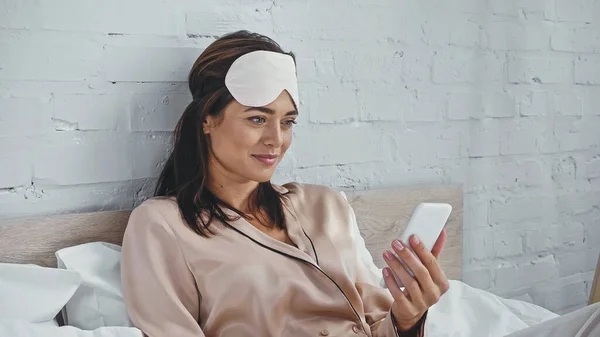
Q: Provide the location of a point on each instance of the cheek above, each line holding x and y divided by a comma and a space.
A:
287, 139
235, 139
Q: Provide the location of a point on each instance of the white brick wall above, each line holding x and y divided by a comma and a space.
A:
501, 96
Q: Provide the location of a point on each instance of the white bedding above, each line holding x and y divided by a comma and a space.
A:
31, 296
465, 311
462, 312
19, 328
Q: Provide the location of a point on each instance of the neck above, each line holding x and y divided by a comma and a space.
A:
235, 192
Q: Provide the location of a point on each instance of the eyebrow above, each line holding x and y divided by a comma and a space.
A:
271, 111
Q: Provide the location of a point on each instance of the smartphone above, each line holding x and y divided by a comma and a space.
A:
426, 223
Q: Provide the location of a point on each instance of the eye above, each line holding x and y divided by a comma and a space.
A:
290, 122
257, 120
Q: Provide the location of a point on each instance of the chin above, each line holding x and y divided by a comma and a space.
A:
260, 177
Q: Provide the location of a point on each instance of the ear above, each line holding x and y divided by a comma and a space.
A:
207, 125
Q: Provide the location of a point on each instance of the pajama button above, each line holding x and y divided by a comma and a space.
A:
324, 332
355, 329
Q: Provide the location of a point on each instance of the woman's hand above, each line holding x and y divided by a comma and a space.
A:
421, 291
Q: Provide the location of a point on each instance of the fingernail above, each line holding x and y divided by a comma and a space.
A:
416, 240
398, 245
388, 255
386, 272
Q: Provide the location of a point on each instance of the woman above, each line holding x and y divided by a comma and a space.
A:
220, 251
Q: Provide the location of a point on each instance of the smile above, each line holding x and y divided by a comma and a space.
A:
267, 159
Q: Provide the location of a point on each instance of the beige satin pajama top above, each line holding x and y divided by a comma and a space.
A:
241, 282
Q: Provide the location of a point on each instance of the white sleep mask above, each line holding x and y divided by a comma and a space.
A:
256, 79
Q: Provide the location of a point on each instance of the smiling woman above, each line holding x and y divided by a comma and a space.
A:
220, 251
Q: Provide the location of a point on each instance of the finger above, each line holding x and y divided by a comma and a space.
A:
439, 244
420, 271
410, 283
395, 290
434, 269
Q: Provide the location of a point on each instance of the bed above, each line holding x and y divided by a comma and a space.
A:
381, 214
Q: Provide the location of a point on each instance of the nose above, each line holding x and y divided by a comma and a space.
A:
273, 136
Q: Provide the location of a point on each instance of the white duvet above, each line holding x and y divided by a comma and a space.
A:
15, 328
465, 311
462, 312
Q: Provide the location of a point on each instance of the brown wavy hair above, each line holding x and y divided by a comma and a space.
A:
185, 175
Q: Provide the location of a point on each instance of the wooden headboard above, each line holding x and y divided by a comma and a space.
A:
382, 215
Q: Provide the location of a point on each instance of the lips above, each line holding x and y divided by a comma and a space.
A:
266, 159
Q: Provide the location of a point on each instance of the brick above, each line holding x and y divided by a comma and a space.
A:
364, 65
478, 278
522, 208
552, 237
21, 116
157, 112
464, 106
575, 10
491, 173
543, 268
289, 19
515, 8
83, 158
335, 145
416, 64
112, 16
520, 136
465, 32
567, 103
548, 70
220, 20
148, 64
587, 69
555, 298
464, 67
481, 244
570, 134
535, 103
564, 169
334, 103
513, 35
577, 202
499, 105
593, 231
90, 112
575, 38
442, 142
591, 167
475, 211
380, 102
591, 101
315, 69
62, 61
506, 277
507, 244
424, 104
43, 199
572, 263
16, 159
484, 139
150, 152
467, 6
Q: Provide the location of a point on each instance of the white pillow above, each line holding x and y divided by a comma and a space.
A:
34, 294
364, 254
99, 300
16, 328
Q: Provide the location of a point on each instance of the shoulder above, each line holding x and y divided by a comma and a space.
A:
154, 215
313, 192
318, 199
